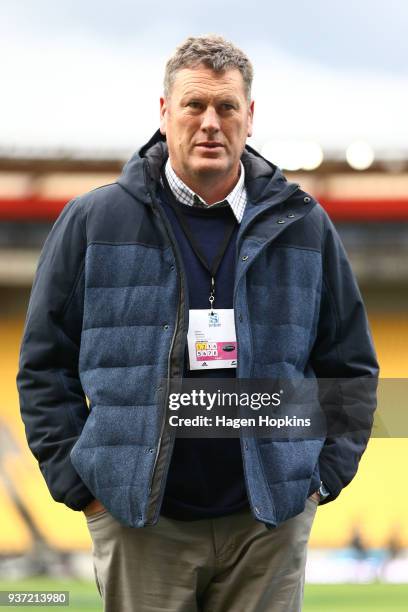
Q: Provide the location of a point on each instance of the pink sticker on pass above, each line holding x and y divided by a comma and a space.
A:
208, 351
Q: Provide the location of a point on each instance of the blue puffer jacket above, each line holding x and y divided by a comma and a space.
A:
108, 318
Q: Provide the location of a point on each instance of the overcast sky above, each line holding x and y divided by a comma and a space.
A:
88, 74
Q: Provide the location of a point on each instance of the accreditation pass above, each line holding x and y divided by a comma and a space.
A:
211, 339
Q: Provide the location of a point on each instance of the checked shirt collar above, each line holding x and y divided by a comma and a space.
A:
237, 199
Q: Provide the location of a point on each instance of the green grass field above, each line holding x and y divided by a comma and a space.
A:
318, 598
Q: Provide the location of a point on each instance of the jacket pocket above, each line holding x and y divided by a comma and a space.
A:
291, 472
114, 456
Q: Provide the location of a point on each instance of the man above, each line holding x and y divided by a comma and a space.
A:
198, 224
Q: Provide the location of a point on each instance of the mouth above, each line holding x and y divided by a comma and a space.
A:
210, 145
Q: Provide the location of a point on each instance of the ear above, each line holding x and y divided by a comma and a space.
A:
163, 115
250, 118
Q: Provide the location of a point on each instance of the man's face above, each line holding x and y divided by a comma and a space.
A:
206, 120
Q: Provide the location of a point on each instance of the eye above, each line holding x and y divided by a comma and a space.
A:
227, 106
194, 104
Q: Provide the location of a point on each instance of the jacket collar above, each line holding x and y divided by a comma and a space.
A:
264, 181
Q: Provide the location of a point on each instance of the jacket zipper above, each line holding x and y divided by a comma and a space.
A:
151, 512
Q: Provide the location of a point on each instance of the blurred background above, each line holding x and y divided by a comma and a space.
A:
81, 82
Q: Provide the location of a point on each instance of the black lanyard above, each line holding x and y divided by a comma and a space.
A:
213, 269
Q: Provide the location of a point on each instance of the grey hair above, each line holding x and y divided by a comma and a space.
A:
212, 51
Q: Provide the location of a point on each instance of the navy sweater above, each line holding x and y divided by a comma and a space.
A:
205, 478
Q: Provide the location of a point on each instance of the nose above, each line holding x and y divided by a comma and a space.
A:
210, 123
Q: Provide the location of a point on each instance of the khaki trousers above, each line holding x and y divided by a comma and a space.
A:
227, 564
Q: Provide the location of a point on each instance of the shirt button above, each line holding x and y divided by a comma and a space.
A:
306, 200
244, 257
291, 216
280, 221
165, 327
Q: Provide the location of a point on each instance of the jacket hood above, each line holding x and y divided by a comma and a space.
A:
264, 181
